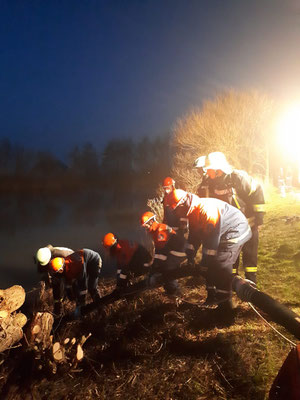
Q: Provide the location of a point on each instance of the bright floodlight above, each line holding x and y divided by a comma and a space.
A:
289, 132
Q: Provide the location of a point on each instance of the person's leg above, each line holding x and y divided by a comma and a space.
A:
250, 250
93, 266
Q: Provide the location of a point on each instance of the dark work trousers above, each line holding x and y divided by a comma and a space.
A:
167, 259
249, 257
219, 269
88, 281
137, 266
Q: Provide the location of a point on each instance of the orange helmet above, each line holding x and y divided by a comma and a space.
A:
178, 197
168, 182
57, 263
147, 217
109, 240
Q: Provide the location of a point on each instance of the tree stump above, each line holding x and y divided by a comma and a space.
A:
11, 323
39, 331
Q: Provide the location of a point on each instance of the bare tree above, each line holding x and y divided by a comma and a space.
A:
237, 123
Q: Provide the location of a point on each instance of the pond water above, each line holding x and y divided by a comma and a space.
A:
78, 221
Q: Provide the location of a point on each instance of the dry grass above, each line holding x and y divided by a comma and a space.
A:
153, 348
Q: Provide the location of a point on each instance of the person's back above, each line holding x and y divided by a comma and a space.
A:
132, 258
240, 190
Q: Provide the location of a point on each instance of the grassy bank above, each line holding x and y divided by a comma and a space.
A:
153, 348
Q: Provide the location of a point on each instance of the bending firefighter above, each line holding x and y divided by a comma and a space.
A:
169, 252
222, 230
237, 188
79, 274
132, 258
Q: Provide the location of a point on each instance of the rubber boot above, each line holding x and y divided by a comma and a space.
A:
251, 276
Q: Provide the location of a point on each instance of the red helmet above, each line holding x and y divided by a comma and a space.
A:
168, 182
109, 240
57, 264
147, 217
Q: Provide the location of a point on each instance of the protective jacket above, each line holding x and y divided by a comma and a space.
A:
169, 253
80, 275
170, 218
222, 230
132, 258
239, 190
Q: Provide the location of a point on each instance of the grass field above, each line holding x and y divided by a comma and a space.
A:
154, 348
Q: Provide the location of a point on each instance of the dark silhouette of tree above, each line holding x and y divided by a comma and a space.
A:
5, 156
84, 162
48, 166
117, 169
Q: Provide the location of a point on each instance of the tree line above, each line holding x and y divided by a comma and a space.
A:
124, 167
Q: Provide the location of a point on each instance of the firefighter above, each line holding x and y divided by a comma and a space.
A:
42, 258
169, 216
132, 258
222, 230
45, 254
169, 251
237, 188
79, 271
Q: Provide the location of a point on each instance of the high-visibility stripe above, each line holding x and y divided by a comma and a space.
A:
223, 291
122, 276
83, 292
189, 246
259, 207
222, 192
178, 253
251, 269
147, 264
184, 219
238, 239
58, 301
210, 287
210, 252
160, 257
236, 201
234, 270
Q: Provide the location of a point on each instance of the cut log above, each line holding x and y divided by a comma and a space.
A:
79, 354
4, 314
12, 299
11, 331
58, 352
39, 330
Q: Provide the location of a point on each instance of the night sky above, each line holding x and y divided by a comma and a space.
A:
91, 70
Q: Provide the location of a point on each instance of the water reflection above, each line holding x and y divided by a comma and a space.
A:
77, 221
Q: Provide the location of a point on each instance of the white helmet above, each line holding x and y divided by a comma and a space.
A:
217, 160
200, 162
43, 255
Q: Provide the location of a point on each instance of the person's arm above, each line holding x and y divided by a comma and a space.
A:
251, 192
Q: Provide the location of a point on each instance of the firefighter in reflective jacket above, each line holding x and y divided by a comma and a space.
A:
169, 216
222, 230
80, 271
169, 251
237, 188
132, 258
